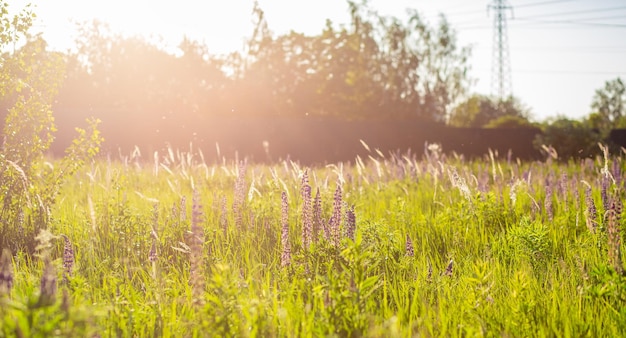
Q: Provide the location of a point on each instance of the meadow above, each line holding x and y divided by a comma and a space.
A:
392, 245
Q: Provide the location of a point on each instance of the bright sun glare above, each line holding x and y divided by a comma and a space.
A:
222, 25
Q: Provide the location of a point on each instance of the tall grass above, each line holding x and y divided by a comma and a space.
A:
393, 245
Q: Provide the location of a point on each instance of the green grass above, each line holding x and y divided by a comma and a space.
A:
516, 269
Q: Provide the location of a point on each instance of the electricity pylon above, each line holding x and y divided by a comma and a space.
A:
501, 64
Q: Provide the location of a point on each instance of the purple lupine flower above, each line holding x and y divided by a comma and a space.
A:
548, 200
307, 221
429, 274
285, 257
153, 256
196, 275
448, 271
409, 247
614, 239
591, 211
575, 190
335, 225
68, 259
317, 217
350, 223
616, 171
240, 196
305, 179
6, 273
183, 209
563, 191
48, 284
604, 192
224, 216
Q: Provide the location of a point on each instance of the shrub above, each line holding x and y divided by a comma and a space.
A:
31, 77
570, 138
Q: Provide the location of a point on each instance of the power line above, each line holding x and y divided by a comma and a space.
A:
542, 3
574, 22
564, 72
599, 10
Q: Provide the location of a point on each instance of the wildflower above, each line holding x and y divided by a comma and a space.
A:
307, 221
335, 223
153, 252
409, 247
285, 258
616, 172
590, 212
65, 303
68, 260
548, 200
429, 274
317, 217
183, 209
350, 223
48, 285
604, 192
448, 271
240, 194
224, 216
6, 273
197, 241
614, 240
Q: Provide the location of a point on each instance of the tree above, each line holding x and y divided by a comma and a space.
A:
31, 76
480, 111
374, 67
610, 105
570, 138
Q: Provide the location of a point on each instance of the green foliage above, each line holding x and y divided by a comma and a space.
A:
570, 138
487, 263
29, 184
374, 67
480, 111
609, 103
509, 121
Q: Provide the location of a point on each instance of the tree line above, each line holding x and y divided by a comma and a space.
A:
372, 68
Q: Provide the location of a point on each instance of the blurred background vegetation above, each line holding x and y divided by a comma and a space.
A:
375, 68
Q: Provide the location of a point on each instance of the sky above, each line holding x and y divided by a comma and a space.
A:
561, 51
